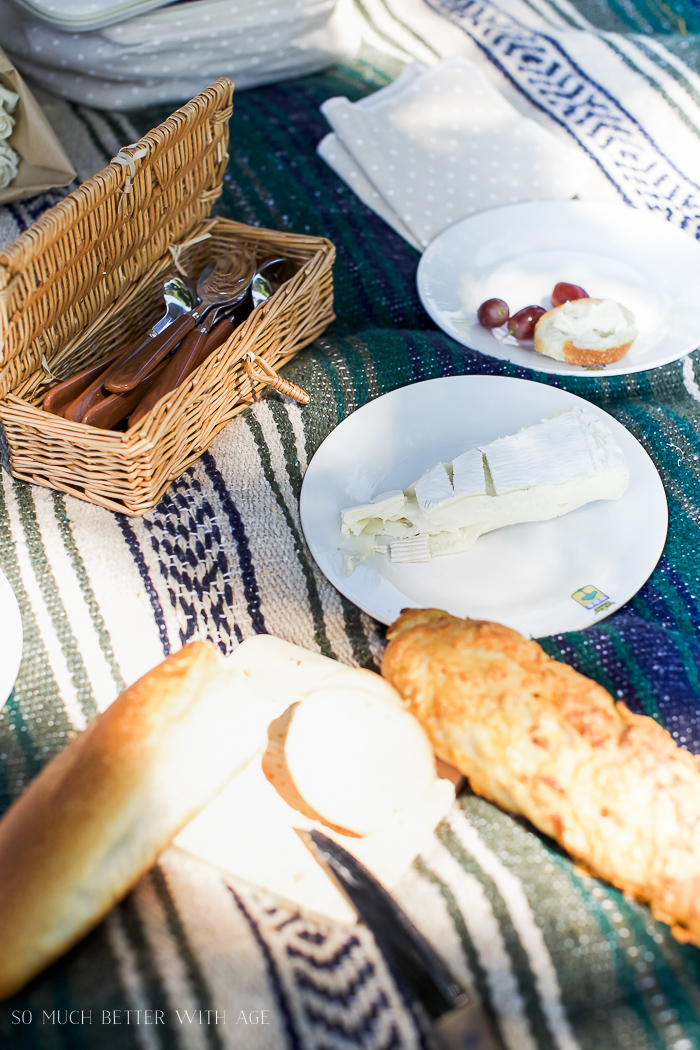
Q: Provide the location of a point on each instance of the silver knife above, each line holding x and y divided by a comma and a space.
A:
458, 1021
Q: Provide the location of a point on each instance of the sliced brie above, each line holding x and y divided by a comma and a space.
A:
468, 475
384, 508
567, 460
567, 445
433, 488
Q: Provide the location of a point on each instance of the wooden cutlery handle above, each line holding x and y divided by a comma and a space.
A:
138, 362
94, 394
173, 373
216, 338
195, 348
60, 396
181, 363
106, 413
137, 347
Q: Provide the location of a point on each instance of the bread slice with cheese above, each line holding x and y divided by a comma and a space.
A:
586, 332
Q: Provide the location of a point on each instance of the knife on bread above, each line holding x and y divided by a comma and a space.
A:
457, 1020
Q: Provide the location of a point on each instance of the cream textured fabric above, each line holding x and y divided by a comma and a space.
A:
86, 14
440, 144
170, 54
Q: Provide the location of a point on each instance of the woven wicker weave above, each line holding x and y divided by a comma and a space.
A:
87, 278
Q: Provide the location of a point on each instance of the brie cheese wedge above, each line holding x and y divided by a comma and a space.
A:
546, 470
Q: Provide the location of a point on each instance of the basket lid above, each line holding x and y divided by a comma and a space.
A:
82, 254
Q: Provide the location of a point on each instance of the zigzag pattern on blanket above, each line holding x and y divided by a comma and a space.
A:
339, 988
540, 68
193, 559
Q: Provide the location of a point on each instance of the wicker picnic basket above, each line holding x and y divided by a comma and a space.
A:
87, 278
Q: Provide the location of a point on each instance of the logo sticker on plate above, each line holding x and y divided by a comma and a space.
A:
592, 598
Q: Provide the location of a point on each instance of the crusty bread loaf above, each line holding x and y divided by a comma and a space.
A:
541, 740
99, 814
587, 346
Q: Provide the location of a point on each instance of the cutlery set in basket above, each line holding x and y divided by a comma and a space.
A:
81, 296
121, 390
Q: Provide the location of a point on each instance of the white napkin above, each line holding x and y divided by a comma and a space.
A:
441, 143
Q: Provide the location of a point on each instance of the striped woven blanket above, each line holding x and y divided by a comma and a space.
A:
190, 960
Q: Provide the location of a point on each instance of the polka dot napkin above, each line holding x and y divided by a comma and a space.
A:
441, 143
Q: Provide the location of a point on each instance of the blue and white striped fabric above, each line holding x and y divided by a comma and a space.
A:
561, 960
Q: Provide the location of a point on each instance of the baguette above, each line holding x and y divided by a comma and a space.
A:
539, 739
99, 814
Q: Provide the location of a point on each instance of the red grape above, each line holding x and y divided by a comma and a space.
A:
564, 293
522, 324
493, 313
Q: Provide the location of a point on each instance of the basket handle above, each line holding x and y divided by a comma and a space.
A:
264, 374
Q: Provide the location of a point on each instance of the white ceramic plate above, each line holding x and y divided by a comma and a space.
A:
11, 635
519, 252
524, 575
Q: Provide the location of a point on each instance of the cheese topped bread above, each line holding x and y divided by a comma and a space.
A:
536, 737
586, 332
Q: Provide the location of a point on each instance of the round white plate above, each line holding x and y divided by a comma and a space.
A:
519, 252
524, 575
11, 634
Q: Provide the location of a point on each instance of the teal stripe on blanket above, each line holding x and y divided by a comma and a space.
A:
621, 980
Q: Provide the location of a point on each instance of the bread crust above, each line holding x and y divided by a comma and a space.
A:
276, 770
575, 355
541, 740
99, 814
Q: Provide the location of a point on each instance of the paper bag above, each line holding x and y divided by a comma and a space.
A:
43, 165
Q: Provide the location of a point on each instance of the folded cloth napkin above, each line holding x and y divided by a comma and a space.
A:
441, 143
169, 54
